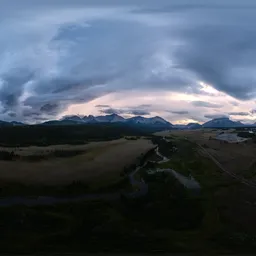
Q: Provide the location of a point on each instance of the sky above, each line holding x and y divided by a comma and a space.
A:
183, 60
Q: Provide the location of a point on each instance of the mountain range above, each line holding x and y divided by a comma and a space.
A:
113, 118
222, 123
153, 122
157, 121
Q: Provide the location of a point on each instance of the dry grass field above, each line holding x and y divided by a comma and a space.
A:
233, 201
100, 161
236, 158
46, 150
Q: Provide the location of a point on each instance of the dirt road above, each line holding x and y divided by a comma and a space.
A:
233, 175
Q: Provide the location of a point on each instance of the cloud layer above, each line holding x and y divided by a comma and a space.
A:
56, 55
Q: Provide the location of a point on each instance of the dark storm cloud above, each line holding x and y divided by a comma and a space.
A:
64, 85
206, 104
110, 111
49, 108
12, 114
121, 111
214, 116
64, 52
221, 52
13, 87
253, 111
179, 112
57, 102
234, 103
239, 113
102, 106
144, 106
138, 112
30, 113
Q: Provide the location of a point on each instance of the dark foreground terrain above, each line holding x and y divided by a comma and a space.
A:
44, 135
149, 209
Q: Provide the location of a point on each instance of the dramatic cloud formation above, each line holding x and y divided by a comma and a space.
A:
206, 104
239, 113
181, 112
213, 116
97, 56
102, 106
140, 110
124, 111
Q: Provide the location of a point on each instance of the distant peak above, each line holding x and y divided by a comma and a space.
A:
157, 117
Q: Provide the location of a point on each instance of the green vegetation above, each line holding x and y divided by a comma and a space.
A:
139, 162
245, 134
133, 138
17, 189
183, 159
169, 218
167, 205
76, 188
11, 156
188, 160
165, 148
7, 156
122, 184
129, 225
250, 173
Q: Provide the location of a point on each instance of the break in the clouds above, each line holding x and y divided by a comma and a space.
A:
56, 55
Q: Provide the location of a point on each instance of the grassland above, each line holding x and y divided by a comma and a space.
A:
229, 204
168, 219
99, 164
234, 157
220, 219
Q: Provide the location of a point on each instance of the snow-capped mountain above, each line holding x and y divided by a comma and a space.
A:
72, 118
12, 123
89, 119
114, 118
15, 123
94, 119
149, 121
222, 123
159, 120
193, 126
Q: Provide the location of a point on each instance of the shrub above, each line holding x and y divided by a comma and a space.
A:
7, 156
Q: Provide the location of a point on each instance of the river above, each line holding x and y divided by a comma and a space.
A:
188, 182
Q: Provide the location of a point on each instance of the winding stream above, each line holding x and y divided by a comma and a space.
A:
188, 182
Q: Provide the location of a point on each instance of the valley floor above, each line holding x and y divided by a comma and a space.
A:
94, 162
216, 216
